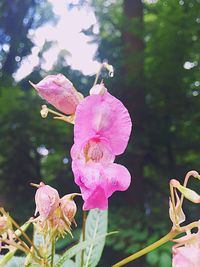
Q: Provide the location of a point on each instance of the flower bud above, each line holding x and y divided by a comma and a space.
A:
98, 89
186, 192
59, 92
68, 207
47, 200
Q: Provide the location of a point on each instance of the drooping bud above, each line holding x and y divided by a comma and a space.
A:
47, 200
98, 89
186, 192
68, 207
60, 92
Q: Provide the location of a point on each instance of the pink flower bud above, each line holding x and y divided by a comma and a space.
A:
47, 201
59, 92
68, 207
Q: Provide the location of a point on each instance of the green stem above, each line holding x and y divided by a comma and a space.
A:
52, 251
146, 250
83, 235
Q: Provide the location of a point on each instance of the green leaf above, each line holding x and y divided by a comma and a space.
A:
79, 247
15, 262
96, 225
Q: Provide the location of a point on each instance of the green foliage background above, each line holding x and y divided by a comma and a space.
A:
170, 136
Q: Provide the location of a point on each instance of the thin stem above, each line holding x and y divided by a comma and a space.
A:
97, 75
24, 234
83, 235
190, 173
15, 245
174, 232
52, 251
146, 250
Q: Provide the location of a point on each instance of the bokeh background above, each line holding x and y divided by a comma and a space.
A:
154, 47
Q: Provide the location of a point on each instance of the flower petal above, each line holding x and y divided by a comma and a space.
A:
186, 257
97, 199
116, 177
98, 182
104, 116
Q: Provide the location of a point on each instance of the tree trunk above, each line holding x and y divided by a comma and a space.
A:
134, 97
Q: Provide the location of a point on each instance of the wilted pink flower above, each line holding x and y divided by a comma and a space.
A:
187, 252
102, 129
47, 201
59, 91
68, 207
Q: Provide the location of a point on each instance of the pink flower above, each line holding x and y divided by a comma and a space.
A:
102, 129
187, 252
59, 91
47, 201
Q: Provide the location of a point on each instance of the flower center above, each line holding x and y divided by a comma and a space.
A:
93, 151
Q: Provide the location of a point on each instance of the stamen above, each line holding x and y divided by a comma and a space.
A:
45, 110
106, 66
109, 68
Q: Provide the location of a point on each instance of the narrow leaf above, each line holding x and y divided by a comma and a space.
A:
96, 225
79, 247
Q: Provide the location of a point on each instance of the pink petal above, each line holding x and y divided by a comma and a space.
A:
97, 199
59, 91
186, 257
103, 116
118, 178
99, 181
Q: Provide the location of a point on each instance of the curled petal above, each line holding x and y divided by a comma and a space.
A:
59, 91
103, 116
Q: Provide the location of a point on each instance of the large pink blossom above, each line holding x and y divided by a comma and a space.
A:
187, 252
102, 129
59, 91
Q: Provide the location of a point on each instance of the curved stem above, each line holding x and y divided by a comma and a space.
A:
190, 173
146, 250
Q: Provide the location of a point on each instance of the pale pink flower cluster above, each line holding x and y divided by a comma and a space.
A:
101, 132
54, 212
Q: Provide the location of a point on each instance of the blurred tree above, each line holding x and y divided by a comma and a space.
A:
17, 20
